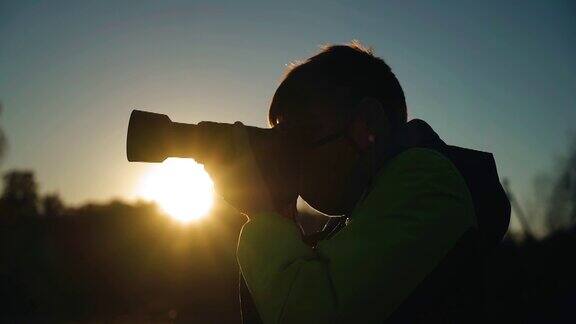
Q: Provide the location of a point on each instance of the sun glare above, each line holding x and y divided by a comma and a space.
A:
180, 187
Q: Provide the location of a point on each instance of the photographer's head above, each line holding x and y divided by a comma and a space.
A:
338, 105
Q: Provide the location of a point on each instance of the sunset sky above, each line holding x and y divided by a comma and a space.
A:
486, 75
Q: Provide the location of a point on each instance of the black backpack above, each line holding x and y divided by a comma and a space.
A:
454, 291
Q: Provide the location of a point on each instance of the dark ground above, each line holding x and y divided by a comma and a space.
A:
127, 263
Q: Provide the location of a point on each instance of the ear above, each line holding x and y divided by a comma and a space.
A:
372, 111
370, 123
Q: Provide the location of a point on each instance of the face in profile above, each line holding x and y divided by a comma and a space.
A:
327, 158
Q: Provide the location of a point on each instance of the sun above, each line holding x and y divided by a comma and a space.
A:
181, 187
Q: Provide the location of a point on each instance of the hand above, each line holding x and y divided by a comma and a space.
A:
257, 179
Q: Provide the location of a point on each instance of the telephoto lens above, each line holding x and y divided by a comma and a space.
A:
154, 137
149, 137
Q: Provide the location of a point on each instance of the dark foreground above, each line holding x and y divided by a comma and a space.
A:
127, 263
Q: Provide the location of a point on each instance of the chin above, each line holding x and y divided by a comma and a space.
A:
327, 207
334, 211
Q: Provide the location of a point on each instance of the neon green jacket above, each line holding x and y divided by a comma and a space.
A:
416, 211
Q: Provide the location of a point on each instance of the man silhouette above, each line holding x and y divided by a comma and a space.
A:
416, 215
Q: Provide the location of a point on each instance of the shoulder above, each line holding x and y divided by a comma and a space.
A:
419, 159
424, 180
423, 166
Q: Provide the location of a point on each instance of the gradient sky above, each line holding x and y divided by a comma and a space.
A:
490, 75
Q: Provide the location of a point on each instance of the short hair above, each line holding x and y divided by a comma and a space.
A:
352, 67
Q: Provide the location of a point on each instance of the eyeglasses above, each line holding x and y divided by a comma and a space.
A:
300, 135
329, 138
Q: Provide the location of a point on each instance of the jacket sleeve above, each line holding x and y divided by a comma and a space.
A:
417, 210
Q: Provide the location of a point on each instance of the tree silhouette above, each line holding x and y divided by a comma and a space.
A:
561, 211
20, 196
2, 140
556, 193
52, 206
